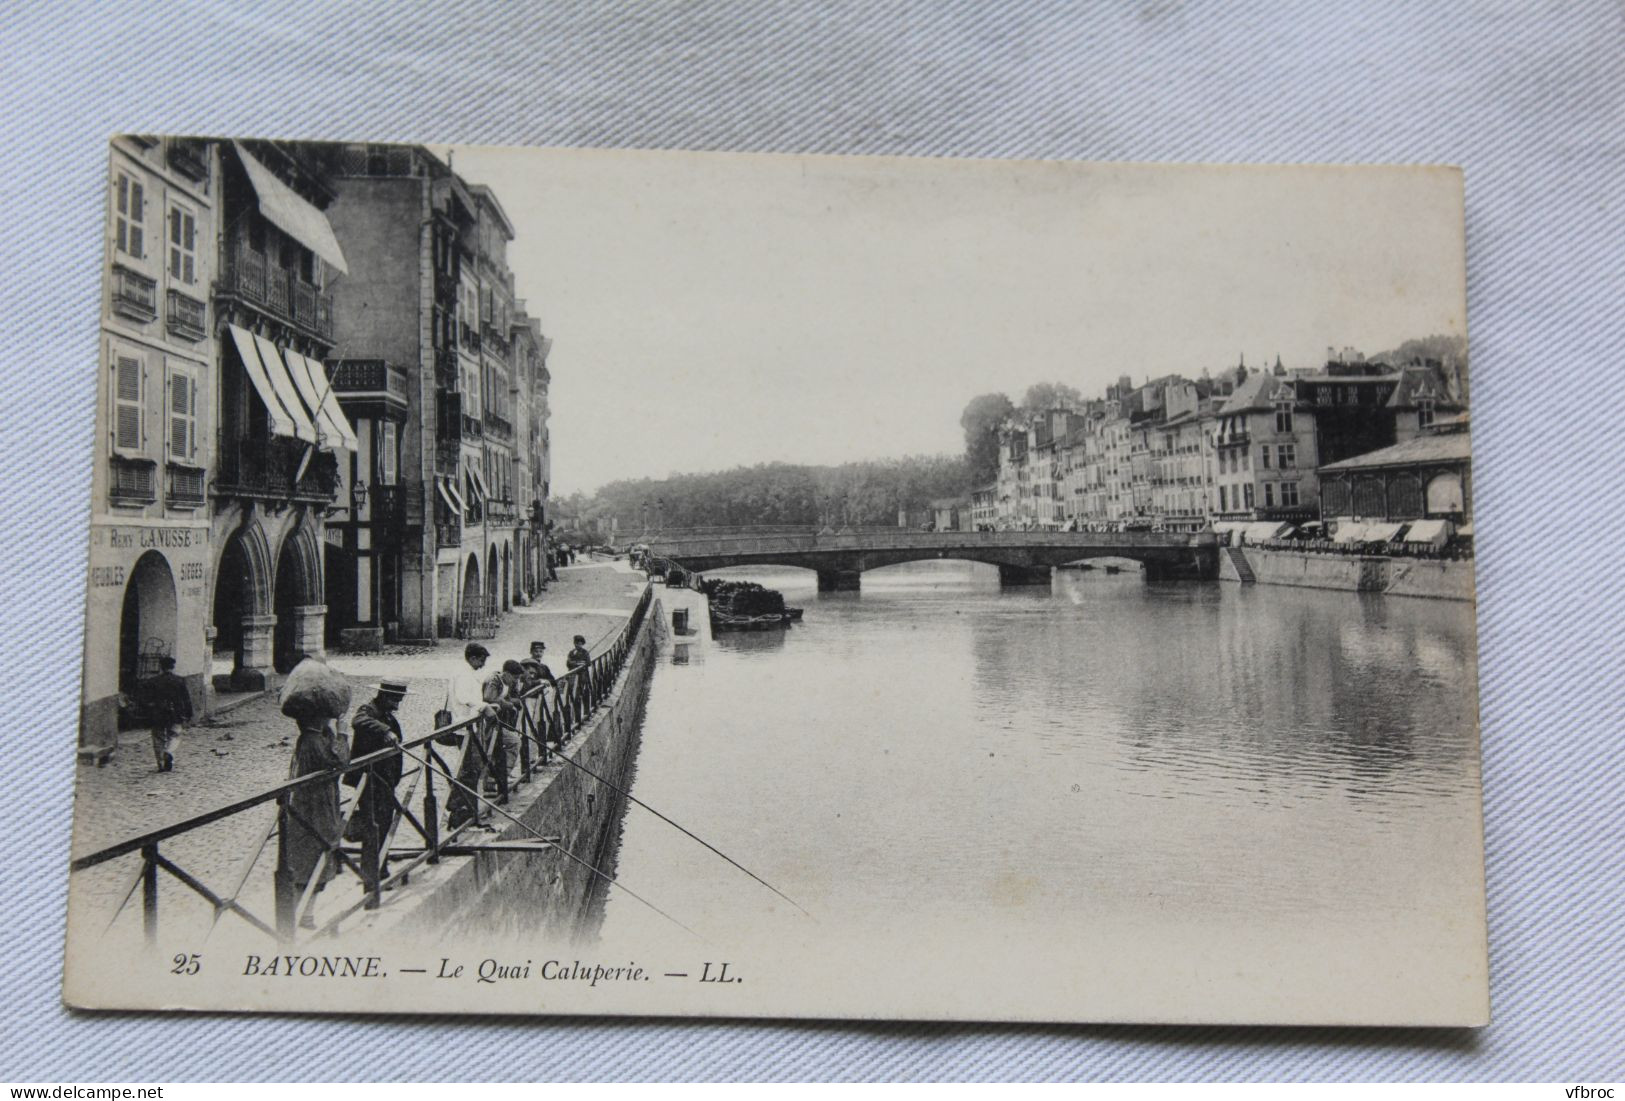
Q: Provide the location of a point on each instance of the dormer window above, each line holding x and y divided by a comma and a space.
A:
1424, 412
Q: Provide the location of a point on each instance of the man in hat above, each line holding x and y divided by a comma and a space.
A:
536, 667
169, 706
374, 727
579, 655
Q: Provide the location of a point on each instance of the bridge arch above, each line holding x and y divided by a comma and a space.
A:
1022, 557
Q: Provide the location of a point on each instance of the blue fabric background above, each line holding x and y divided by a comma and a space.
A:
1529, 97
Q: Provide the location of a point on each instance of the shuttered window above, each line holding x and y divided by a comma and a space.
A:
387, 453
182, 417
128, 384
129, 221
182, 245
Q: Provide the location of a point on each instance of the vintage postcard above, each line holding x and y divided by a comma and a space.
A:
601, 582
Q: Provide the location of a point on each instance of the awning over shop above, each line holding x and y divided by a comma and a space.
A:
284, 209
449, 494
1465, 531
282, 422
456, 497
311, 378
1224, 527
1382, 532
1436, 532
277, 371
1349, 531
477, 478
1264, 530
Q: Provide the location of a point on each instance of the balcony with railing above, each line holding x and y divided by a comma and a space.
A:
183, 486
135, 296
360, 381
473, 429
250, 277
499, 428
132, 481
270, 471
186, 317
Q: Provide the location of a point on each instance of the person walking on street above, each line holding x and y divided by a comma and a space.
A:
465, 700
374, 727
169, 706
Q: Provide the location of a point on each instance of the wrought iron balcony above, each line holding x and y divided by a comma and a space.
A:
135, 296
448, 535
269, 471
361, 381
187, 318
251, 277
472, 428
498, 427
133, 482
183, 486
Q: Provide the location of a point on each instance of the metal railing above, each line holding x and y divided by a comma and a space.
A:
545, 719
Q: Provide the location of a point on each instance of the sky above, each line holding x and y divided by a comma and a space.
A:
710, 310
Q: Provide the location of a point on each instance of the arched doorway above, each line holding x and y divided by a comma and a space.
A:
242, 596
298, 584
233, 599
507, 582
472, 604
147, 626
493, 599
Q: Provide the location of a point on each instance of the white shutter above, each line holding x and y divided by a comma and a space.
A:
127, 404
138, 202
182, 409
389, 453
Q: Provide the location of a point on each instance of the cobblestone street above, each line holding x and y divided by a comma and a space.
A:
247, 749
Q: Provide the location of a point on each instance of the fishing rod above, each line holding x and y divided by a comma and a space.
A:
622, 791
547, 841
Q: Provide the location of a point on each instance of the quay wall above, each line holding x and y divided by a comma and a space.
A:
525, 895
1439, 579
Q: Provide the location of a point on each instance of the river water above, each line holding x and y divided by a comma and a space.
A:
1176, 801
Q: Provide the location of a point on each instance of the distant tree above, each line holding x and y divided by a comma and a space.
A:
1450, 351
981, 420
1047, 395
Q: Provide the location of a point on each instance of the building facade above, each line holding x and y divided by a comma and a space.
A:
439, 368
150, 566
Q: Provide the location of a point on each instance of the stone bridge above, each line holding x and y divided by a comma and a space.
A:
1023, 557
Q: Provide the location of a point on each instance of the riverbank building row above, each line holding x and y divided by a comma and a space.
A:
1243, 446
321, 416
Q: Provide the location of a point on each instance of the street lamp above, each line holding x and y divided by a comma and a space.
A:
358, 498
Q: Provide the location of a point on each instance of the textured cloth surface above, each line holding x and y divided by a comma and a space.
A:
1529, 97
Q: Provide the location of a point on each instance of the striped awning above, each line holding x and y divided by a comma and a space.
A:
284, 421
283, 208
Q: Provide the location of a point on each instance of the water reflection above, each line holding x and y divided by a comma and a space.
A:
1108, 749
